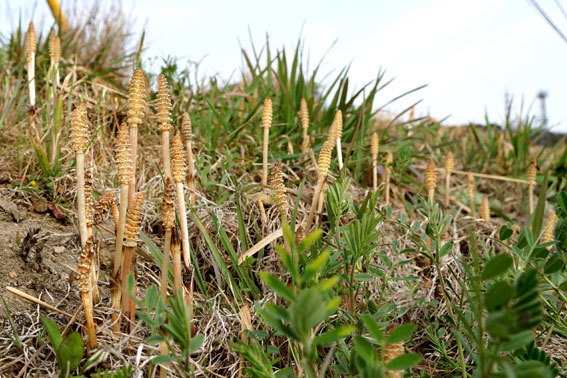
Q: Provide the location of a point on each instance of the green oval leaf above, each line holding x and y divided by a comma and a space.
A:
404, 362
498, 295
554, 264
71, 352
400, 333
497, 266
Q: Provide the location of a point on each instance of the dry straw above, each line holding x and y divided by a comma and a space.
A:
374, 153
187, 133
178, 172
484, 210
388, 172
54, 56
531, 173
470, 192
79, 137
266, 124
449, 166
164, 121
131, 235
431, 180
30, 45
86, 288
136, 105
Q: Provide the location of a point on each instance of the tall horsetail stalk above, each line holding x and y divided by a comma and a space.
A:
79, 137
337, 133
187, 133
136, 105
322, 170
131, 234
278, 191
175, 247
306, 140
89, 215
449, 166
431, 181
388, 173
168, 219
531, 173
266, 124
374, 154
470, 192
30, 45
54, 57
86, 287
178, 172
164, 121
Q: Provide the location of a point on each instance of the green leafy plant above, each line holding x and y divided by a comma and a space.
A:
69, 351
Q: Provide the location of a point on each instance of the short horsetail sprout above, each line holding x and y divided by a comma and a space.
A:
55, 56
30, 44
388, 172
85, 287
168, 219
323, 169
164, 122
79, 137
470, 192
187, 133
431, 180
336, 134
266, 124
374, 153
449, 166
131, 234
178, 172
136, 105
531, 173
547, 235
484, 210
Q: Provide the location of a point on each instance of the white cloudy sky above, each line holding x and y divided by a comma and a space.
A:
469, 53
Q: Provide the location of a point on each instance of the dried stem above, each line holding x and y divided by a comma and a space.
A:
178, 172
266, 124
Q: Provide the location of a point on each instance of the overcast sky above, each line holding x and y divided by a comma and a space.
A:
469, 53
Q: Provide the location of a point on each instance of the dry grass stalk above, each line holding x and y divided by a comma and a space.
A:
164, 121
388, 172
30, 45
245, 325
335, 134
168, 219
531, 173
86, 289
266, 124
35, 300
187, 133
449, 166
136, 105
549, 228
79, 137
178, 172
54, 56
131, 234
431, 180
470, 192
374, 153
484, 210
323, 168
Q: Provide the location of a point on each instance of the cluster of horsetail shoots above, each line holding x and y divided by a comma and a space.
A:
54, 56
531, 173
164, 122
187, 133
449, 166
178, 171
30, 45
131, 234
431, 180
86, 288
374, 153
322, 170
470, 192
79, 137
136, 105
388, 173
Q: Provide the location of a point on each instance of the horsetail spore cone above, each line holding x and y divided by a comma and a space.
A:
549, 228
304, 115
164, 121
322, 169
336, 134
484, 210
79, 137
178, 172
136, 105
266, 124
279, 190
30, 45
187, 133
431, 180
531, 173
54, 56
374, 153
449, 166
124, 164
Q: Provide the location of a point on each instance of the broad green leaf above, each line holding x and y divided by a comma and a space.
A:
196, 342
373, 328
497, 266
71, 351
334, 335
404, 362
155, 339
505, 232
554, 264
278, 286
498, 295
445, 249
400, 333
151, 297
162, 359
517, 341
316, 265
52, 332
